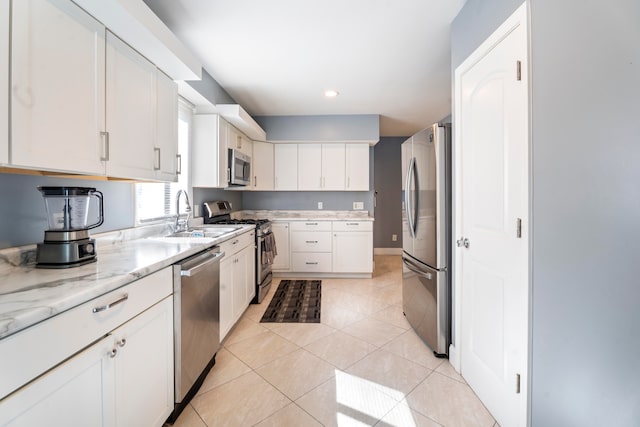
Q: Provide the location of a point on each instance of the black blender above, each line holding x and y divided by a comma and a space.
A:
67, 242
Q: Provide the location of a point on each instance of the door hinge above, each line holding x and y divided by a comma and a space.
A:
518, 70
517, 383
519, 228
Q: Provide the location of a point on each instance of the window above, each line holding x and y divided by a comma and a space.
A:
156, 201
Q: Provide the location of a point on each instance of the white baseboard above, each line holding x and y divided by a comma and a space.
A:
387, 251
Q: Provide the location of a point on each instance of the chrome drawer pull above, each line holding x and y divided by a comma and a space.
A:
310, 223
111, 304
311, 263
311, 241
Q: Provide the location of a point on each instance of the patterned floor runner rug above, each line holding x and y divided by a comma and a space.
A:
295, 301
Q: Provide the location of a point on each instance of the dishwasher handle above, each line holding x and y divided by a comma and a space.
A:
201, 262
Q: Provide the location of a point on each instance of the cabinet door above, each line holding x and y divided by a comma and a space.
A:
250, 273
79, 392
209, 158
352, 252
285, 166
262, 163
226, 295
58, 80
4, 82
131, 121
240, 279
309, 167
166, 148
281, 262
333, 167
357, 167
144, 367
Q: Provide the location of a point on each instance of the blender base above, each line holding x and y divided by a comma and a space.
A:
65, 254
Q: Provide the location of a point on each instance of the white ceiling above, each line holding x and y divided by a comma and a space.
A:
386, 57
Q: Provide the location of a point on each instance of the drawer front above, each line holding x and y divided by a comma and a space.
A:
352, 226
311, 241
40, 347
236, 244
311, 225
316, 262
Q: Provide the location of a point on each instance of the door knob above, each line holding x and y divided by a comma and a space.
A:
463, 241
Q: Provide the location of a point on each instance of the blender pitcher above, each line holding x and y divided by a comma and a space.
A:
68, 207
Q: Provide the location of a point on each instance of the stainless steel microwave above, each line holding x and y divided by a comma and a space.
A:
239, 168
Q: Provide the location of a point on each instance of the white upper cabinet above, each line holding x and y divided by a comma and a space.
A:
323, 166
262, 164
333, 167
58, 80
166, 147
83, 101
4, 82
131, 120
357, 167
310, 165
209, 160
239, 141
285, 160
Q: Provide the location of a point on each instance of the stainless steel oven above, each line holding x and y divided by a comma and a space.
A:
219, 212
239, 168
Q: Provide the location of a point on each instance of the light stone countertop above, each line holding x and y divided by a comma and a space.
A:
300, 215
29, 295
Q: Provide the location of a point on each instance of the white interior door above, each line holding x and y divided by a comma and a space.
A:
492, 189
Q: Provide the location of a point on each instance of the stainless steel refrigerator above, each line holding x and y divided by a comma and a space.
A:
426, 235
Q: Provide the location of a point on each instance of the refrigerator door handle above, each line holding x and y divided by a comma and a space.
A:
411, 266
407, 192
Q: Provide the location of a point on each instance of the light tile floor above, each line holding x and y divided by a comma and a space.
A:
362, 366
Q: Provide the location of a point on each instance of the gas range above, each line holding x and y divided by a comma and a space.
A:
219, 212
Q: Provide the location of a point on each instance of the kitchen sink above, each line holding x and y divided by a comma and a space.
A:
205, 232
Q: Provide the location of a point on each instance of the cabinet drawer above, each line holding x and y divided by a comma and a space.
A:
235, 244
317, 262
311, 241
352, 226
42, 346
311, 226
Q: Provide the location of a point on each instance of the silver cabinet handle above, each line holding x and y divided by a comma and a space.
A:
113, 353
179, 166
353, 223
121, 343
105, 143
156, 167
311, 241
255, 181
311, 263
111, 304
310, 223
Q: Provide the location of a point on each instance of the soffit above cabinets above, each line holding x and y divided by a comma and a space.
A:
238, 117
139, 27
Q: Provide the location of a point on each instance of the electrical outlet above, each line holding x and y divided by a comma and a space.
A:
319, 205
394, 237
358, 205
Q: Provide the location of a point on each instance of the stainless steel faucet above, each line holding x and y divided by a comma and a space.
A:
182, 225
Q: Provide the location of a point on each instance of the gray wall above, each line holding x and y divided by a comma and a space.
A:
388, 186
211, 89
23, 217
306, 200
362, 127
586, 204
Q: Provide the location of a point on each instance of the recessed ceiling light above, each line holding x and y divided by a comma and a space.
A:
331, 93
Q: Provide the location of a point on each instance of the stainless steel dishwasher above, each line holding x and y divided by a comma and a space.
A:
196, 311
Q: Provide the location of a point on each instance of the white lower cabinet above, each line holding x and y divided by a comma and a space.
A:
125, 379
237, 280
144, 367
80, 392
333, 247
282, 261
